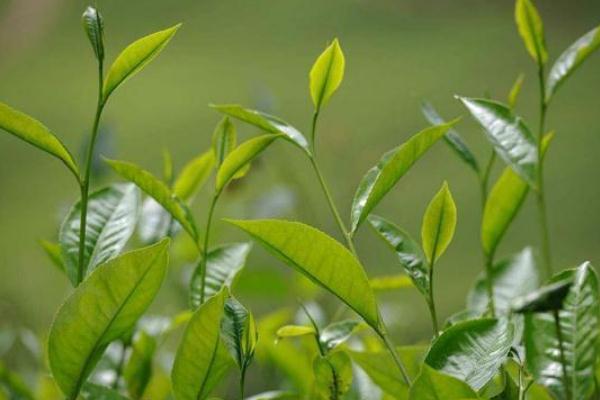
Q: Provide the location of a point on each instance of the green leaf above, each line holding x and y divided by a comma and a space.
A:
472, 351
96, 392
531, 30
337, 333
155, 222
439, 224
319, 257
167, 171
327, 74
333, 376
266, 122
111, 218
380, 179
34, 132
239, 333
14, 384
571, 59
512, 277
274, 395
508, 134
138, 370
240, 157
159, 191
202, 360
223, 140
515, 90
295, 331
101, 309
547, 298
452, 137
391, 282
193, 175
93, 25
434, 385
135, 57
53, 252
579, 327
223, 264
409, 252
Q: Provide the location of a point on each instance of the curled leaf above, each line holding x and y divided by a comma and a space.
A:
93, 25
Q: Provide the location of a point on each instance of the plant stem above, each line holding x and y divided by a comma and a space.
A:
242, 383
85, 183
489, 265
392, 350
203, 261
431, 304
488, 258
563, 360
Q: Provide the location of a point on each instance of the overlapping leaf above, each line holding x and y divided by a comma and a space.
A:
434, 385
193, 175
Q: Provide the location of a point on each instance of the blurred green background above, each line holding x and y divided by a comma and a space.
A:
258, 53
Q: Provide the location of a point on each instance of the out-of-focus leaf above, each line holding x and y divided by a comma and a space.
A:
391, 282
439, 224
239, 333
193, 175
515, 90
112, 214
337, 333
319, 257
327, 74
531, 30
547, 298
92, 391
274, 395
14, 384
138, 370
295, 331
333, 376
34, 132
472, 351
167, 165
53, 252
434, 385
223, 140
202, 360
380, 179
135, 57
156, 222
93, 25
103, 308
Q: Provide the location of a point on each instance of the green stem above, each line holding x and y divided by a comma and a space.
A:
488, 258
563, 360
203, 261
85, 183
489, 265
382, 332
431, 304
242, 383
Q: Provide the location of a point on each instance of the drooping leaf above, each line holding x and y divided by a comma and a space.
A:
472, 351
380, 179
103, 308
439, 224
111, 218
135, 57
337, 333
548, 298
93, 25
157, 189
240, 157
571, 59
202, 360
295, 331
409, 252
53, 252
319, 257
239, 333
92, 391
34, 132
223, 264
508, 134
515, 90
223, 140
333, 376
391, 282
327, 74
434, 385
193, 175
531, 30
452, 137
266, 122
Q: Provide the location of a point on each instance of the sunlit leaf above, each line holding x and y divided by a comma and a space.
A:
391, 282
223, 140
333, 376
53, 252
93, 25
327, 74
434, 385
439, 224
193, 175
295, 331
531, 30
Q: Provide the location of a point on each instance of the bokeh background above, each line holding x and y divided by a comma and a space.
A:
258, 53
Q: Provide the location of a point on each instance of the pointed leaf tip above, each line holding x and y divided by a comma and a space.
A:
327, 74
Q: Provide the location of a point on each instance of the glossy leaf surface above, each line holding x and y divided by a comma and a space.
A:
333, 376
337, 333
156, 222
193, 175
327, 74
548, 298
223, 140
93, 25
531, 29
434, 385
439, 224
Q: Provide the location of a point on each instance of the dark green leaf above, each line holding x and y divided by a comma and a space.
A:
531, 30
93, 25
434, 385
547, 298
327, 74
223, 140
193, 175
337, 333
439, 224
333, 376
239, 334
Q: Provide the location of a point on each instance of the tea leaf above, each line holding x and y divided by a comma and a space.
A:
167, 165
266, 122
409, 252
93, 25
571, 59
202, 359
156, 222
135, 57
391, 282
509, 135
111, 218
223, 140
240, 157
434, 385
515, 90
327, 74
193, 175
439, 224
452, 137
380, 179
275, 395
472, 351
333, 376
53, 252
239, 333
157, 189
138, 370
547, 298
337, 333
16, 388
531, 30
319, 257
92, 391
34, 132
104, 307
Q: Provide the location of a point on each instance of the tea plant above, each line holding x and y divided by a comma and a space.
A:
526, 333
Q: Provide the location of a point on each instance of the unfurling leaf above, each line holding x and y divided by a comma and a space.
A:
531, 30
103, 308
93, 25
135, 57
434, 385
223, 140
439, 224
515, 90
239, 333
193, 175
333, 376
380, 179
327, 74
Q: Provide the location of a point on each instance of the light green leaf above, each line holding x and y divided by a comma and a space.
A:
240, 157
103, 308
571, 59
380, 179
93, 25
239, 333
135, 57
434, 385
472, 351
167, 171
158, 190
34, 132
531, 30
223, 140
295, 331
391, 282
508, 134
111, 218
202, 360
319, 257
53, 252
327, 74
193, 175
515, 90
337, 333
333, 376
14, 384
439, 224
266, 122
